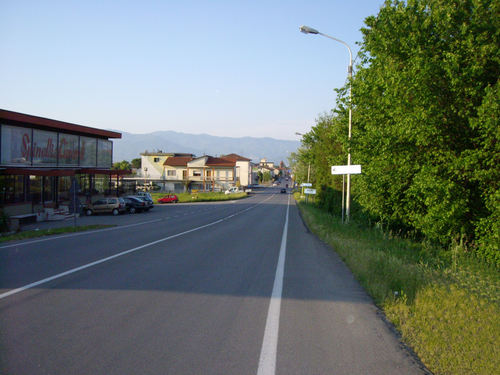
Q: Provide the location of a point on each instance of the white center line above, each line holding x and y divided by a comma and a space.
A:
269, 350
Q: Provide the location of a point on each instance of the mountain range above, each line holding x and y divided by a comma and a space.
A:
130, 146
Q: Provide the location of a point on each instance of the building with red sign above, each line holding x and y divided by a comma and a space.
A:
47, 163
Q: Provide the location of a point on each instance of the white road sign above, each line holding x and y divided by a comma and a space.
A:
309, 191
306, 184
346, 169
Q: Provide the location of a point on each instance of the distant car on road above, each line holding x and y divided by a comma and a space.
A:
106, 205
169, 198
283, 191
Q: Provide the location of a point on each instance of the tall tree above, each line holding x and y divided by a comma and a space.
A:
427, 67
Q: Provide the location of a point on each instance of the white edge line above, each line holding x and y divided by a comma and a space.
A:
269, 350
73, 270
79, 233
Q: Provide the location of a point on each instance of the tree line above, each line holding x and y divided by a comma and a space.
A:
425, 125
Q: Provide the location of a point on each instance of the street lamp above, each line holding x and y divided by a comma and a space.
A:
310, 30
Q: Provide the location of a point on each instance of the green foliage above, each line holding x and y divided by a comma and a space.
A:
425, 122
201, 197
136, 163
122, 165
321, 148
52, 231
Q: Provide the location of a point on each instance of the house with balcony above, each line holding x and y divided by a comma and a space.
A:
204, 173
152, 169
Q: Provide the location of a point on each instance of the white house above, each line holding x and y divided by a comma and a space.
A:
244, 171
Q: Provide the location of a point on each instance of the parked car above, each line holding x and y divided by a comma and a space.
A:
106, 205
169, 198
145, 194
148, 202
283, 191
232, 190
134, 204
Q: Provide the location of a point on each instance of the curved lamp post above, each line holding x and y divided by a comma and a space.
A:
310, 30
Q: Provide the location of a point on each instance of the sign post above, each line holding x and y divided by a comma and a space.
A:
345, 170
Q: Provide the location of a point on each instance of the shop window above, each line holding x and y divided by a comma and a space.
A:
12, 189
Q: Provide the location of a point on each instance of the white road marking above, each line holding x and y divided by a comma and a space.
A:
267, 360
73, 270
50, 238
79, 234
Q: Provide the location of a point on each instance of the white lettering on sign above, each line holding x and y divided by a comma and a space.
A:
346, 169
310, 191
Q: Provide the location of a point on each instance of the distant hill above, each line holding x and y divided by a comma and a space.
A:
131, 145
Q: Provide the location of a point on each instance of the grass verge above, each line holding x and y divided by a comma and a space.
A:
201, 197
47, 232
445, 304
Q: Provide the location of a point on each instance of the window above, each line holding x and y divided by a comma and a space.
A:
197, 173
171, 173
156, 160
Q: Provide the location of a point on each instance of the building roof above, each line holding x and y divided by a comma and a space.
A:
161, 153
235, 157
178, 161
219, 162
49, 124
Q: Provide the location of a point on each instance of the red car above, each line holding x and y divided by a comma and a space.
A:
170, 198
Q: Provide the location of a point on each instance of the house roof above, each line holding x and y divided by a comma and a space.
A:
219, 162
235, 157
49, 124
178, 161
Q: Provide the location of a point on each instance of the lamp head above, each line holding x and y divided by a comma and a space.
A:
308, 30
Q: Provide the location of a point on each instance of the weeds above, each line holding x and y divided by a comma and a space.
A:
445, 303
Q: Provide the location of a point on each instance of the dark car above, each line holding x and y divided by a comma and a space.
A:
283, 191
147, 201
135, 204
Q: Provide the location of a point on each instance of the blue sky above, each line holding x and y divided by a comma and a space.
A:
227, 68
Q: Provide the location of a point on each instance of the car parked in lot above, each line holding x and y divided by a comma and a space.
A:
134, 204
148, 203
232, 190
169, 198
114, 206
144, 194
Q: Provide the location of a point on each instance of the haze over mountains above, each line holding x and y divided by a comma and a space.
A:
131, 145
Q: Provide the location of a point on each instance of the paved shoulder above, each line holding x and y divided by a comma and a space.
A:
329, 325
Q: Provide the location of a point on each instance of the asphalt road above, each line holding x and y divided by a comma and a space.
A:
209, 288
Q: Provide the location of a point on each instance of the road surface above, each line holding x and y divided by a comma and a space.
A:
236, 287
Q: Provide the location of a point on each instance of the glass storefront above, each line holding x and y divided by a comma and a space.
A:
12, 189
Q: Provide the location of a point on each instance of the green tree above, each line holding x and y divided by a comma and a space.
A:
122, 165
421, 124
136, 163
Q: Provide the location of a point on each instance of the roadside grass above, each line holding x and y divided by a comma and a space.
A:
47, 232
447, 307
201, 197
